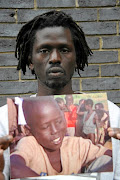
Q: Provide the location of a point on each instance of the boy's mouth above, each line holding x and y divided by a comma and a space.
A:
57, 140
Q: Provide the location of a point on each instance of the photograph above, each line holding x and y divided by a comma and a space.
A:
59, 135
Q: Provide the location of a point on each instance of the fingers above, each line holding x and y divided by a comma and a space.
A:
118, 136
5, 141
1, 176
1, 160
114, 132
1, 152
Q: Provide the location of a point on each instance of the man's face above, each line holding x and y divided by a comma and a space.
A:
48, 125
54, 56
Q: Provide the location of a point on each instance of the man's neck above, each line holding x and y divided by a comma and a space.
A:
45, 91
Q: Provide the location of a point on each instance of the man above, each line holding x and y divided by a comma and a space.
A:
52, 45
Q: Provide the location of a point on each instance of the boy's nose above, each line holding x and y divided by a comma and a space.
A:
53, 129
55, 57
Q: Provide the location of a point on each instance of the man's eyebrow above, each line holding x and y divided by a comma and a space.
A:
44, 46
64, 45
49, 45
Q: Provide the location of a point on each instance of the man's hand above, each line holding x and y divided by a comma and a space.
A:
114, 132
4, 143
1, 164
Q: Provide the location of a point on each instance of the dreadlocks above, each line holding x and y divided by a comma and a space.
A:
26, 36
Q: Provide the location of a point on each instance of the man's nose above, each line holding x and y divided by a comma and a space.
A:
55, 57
53, 129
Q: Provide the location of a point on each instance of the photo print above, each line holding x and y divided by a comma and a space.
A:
59, 135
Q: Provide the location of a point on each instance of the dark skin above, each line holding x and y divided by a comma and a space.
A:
4, 143
49, 133
91, 136
114, 132
54, 60
69, 101
67, 61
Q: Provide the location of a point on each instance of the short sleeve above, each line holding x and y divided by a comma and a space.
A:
25, 149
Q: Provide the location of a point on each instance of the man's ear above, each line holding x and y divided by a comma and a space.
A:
31, 67
75, 65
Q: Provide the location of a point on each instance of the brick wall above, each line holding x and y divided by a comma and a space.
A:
99, 19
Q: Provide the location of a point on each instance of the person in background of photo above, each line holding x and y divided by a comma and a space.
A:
88, 125
100, 130
61, 103
105, 119
70, 115
80, 114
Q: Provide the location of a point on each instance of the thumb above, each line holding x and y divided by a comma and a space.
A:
1, 160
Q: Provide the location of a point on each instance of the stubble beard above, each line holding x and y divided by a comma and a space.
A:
57, 85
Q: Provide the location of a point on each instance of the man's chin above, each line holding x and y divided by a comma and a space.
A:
56, 85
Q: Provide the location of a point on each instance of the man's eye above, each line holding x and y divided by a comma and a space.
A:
44, 51
65, 50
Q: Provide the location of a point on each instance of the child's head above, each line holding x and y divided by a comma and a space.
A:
99, 106
46, 121
88, 104
69, 99
99, 114
61, 103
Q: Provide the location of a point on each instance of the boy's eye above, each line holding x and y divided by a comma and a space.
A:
59, 121
45, 127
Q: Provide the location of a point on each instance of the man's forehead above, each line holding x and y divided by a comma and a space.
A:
53, 32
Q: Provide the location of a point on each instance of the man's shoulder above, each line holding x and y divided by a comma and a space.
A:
4, 107
114, 112
3, 111
3, 120
112, 105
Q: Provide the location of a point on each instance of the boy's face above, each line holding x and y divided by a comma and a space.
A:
69, 100
62, 105
88, 107
49, 125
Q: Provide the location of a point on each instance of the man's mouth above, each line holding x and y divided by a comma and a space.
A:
55, 72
